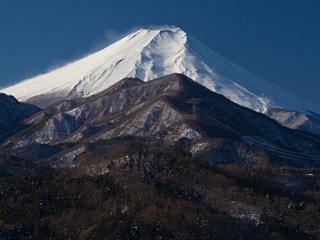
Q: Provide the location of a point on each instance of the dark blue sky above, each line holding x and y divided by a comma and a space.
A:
277, 40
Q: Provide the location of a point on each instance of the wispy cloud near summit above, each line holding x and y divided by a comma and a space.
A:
111, 36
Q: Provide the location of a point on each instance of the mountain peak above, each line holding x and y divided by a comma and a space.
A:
152, 53
164, 28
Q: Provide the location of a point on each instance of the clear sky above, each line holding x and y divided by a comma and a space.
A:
277, 40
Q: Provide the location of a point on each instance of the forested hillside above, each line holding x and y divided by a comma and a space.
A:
160, 194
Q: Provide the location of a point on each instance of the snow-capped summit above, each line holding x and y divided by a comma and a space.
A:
148, 54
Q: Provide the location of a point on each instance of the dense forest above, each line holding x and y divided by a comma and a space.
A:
160, 194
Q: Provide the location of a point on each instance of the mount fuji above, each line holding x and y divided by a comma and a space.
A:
148, 54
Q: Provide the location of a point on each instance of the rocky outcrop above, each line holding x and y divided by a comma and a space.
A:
13, 112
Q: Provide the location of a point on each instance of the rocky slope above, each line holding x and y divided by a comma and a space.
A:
296, 120
172, 110
13, 112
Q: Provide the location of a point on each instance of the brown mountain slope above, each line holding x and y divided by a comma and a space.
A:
172, 110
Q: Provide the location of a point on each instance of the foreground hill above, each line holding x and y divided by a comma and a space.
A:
172, 110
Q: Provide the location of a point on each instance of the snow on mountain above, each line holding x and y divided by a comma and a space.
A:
148, 54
